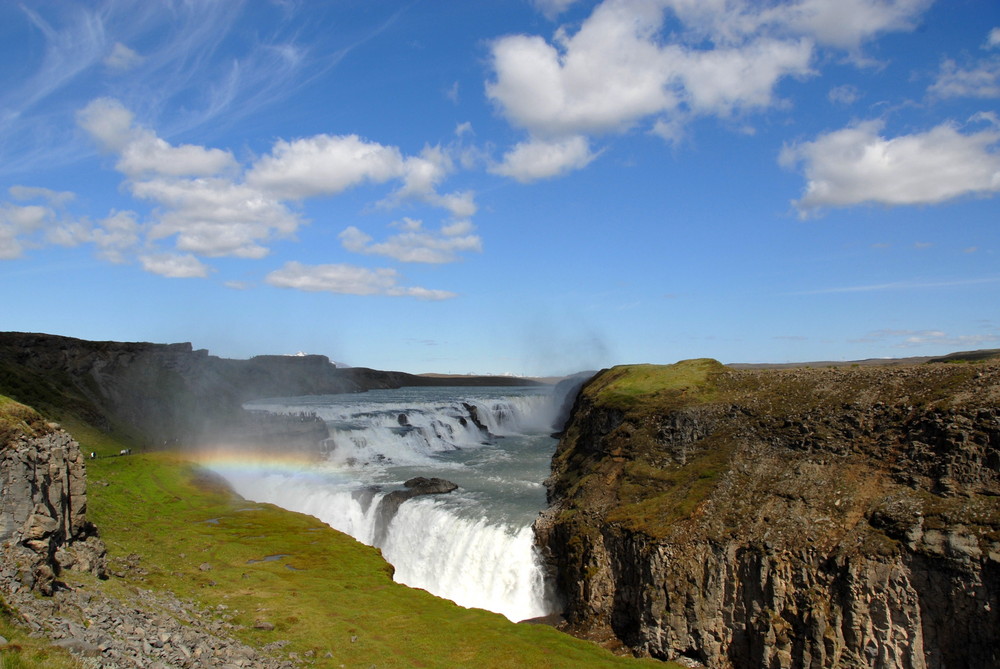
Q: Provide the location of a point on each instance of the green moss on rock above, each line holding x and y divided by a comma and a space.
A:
18, 419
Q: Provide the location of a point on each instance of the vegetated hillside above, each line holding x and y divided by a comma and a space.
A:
168, 394
784, 517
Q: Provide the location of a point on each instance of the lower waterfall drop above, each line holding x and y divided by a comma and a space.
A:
475, 545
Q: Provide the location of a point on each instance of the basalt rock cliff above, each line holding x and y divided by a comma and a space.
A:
840, 517
43, 502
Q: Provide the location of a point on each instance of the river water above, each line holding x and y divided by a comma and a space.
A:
475, 545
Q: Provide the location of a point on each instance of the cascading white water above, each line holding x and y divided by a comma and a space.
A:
473, 562
474, 546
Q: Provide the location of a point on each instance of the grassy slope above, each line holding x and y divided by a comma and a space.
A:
332, 599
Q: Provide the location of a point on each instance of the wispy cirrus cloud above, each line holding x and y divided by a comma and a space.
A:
899, 286
920, 338
194, 59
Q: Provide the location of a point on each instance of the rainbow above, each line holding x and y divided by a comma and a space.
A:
235, 462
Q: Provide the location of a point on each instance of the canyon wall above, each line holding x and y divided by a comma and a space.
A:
171, 394
843, 517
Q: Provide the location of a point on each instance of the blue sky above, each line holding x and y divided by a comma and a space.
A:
505, 186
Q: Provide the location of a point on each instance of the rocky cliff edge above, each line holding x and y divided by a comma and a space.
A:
843, 517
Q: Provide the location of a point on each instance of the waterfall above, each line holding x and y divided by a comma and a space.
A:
474, 546
470, 561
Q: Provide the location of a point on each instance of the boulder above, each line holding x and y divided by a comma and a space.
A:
415, 487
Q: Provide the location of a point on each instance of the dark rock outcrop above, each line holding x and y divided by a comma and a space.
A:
564, 396
784, 518
473, 411
415, 487
43, 505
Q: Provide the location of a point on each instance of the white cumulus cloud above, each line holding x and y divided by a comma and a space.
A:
215, 216
331, 164
982, 80
552, 8
24, 226
606, 77
324, 165
115, 235
174, 266
843, 24
720, 81
993, 39
416, 244
625, 65
140, 151
56, 198
541, 159
844, 95
348, 280
34, 225
857, 165
847, 23
19, 222
208, 204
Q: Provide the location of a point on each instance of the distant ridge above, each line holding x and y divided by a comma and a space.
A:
959, 356
173, 393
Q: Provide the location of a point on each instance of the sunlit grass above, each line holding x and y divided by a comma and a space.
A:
627, 386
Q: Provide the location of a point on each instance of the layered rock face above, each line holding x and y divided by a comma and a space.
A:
43, 504
784, 518
158, 394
